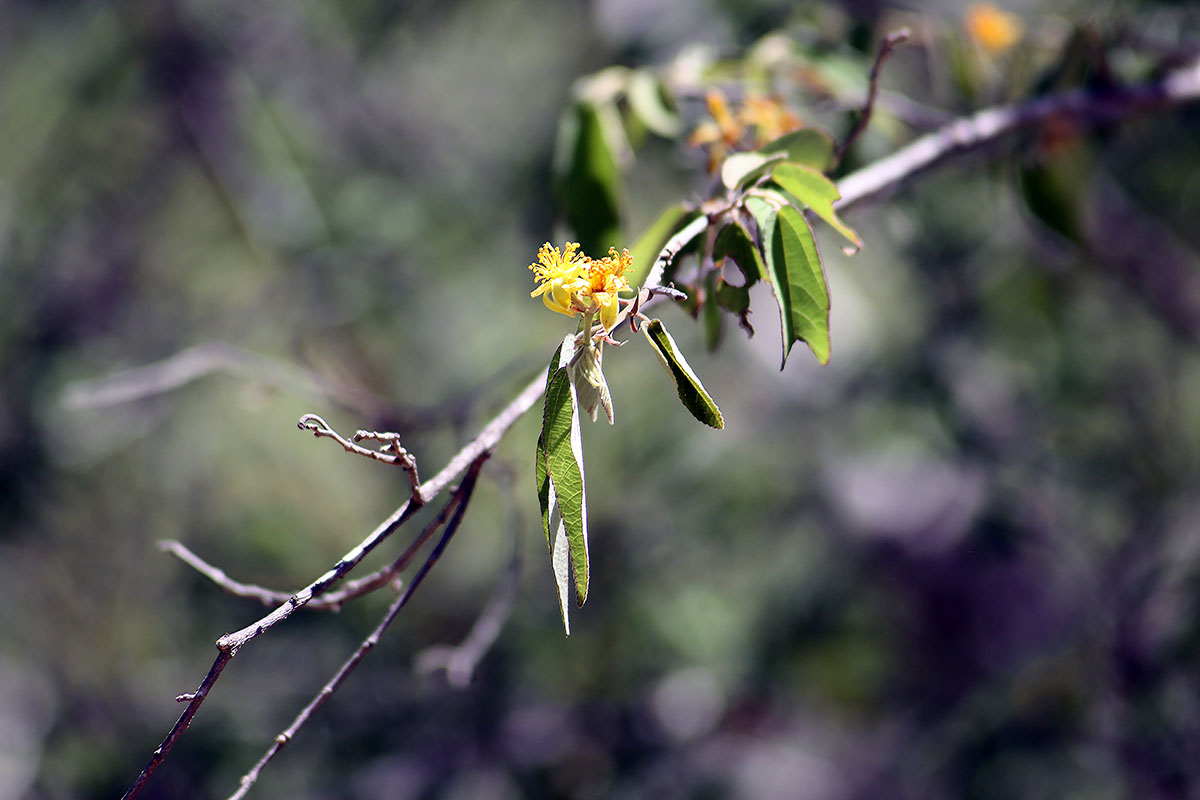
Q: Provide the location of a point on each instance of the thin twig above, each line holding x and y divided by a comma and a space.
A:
459, 503
390, 453
185, 719
329, 601
864, 117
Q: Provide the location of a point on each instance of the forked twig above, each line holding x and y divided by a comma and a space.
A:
458, 503
390, 453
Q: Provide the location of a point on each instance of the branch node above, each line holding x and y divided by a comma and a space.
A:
186, 697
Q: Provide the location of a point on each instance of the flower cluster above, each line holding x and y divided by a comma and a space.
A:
759, 120
571, 283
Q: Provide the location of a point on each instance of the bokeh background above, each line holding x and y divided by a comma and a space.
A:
961, 561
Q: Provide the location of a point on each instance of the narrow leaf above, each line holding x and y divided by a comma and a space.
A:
691, 392
564, 465
816, 191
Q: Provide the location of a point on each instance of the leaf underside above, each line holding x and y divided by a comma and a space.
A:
691, 392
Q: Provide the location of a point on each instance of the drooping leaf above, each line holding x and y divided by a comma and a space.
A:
741, 168
561, 451
734, 242
794, 269
815, 191
587, 177
811, 147
691, 392
646, 249
646, 101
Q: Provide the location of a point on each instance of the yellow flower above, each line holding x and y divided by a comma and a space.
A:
559, 275
995, 30
571, 283
605, 278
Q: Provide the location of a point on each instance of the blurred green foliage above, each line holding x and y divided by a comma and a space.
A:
960, 561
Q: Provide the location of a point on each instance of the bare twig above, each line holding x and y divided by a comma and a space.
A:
458, 502
864, 118
194, 699
390, 453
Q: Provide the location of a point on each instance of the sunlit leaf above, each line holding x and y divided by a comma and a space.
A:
691, 392
561, 451
794, 269
815, 191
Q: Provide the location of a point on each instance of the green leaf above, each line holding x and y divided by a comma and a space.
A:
646, 249
734, 242
816, 191
741, 168
794, 269
646, 101
587, 183
564, 464
811, 147
561, 450
691, 392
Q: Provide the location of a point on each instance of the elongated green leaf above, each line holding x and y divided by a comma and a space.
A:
646, 249
587, 182
564, 465
808, 146
794, 268
691, 392
734, 242
816, 191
